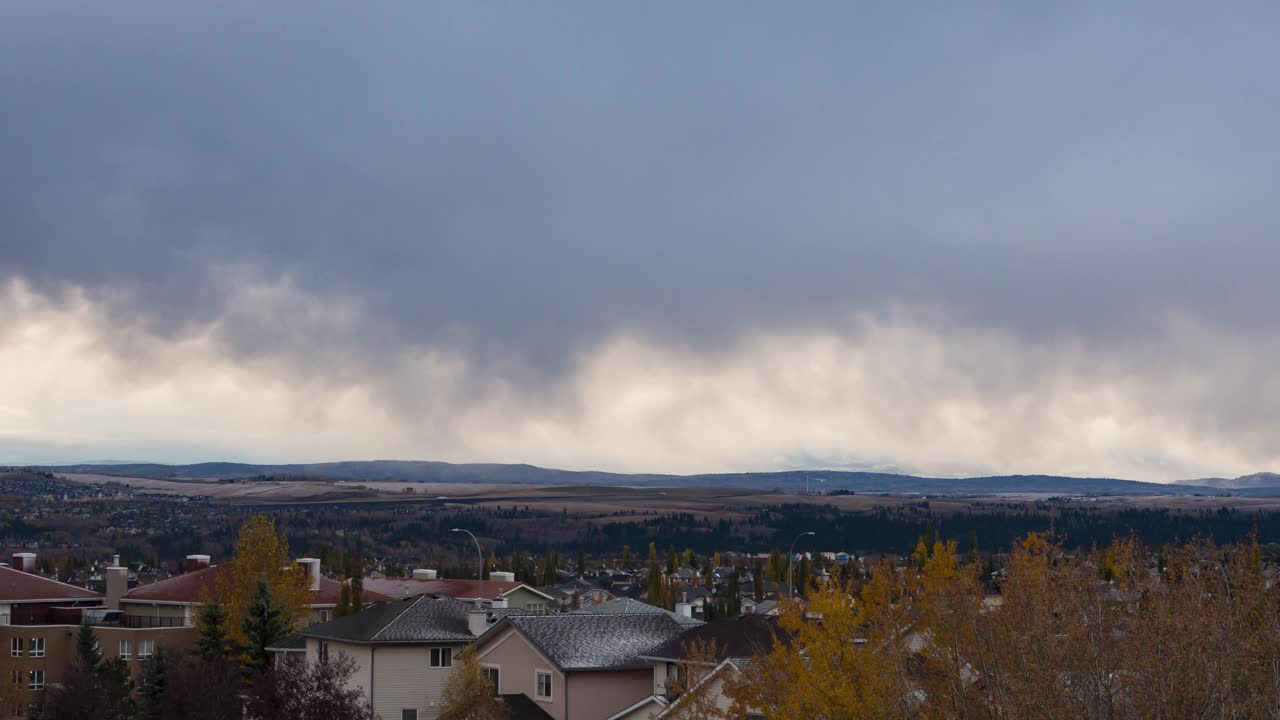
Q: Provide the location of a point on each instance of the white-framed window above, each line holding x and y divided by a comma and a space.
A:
126, 649
324, 617
15, 647
409, 714
322, 651
536, 606
37, 647
16, 677
542, 684
441, 657
493, 674
146, 648
35, 680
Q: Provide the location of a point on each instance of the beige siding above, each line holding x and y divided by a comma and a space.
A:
404, 678
597, 695
522, 597
517, 661
359, 653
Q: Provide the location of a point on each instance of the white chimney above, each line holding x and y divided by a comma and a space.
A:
196, 562
685, 609
499, 576
24, 561
424, 574
499, 602
477, 622
311, 566
117, 582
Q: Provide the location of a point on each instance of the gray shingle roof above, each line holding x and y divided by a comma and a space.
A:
420, 619
596, 642
626, 606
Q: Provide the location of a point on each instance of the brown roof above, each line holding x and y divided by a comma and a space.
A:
401, 588
18, 585
189, 587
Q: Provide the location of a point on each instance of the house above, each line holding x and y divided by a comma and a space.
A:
39, 622
577, 666
176, 602
500, 586
723, 647
575, 594
403, 650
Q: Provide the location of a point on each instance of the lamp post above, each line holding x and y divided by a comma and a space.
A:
791, 554
480, 556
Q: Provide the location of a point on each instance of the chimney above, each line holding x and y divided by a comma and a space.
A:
424, 574
311, 566
24, 561
117, 583
499, 602
477, 622
502, 576
685, 609
196, 562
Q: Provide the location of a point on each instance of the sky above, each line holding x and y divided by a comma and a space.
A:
936, 238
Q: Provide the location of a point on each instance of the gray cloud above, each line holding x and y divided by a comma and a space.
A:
524, 184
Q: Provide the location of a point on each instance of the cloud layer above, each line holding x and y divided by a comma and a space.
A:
654, 238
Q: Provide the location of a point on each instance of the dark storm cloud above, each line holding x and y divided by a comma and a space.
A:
524, 180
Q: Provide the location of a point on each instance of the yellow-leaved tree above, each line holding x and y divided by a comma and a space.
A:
261, 553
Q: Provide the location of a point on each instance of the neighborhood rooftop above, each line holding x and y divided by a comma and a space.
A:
595, 642
420, 619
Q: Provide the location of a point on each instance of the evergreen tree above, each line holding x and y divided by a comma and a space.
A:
344, 601
582, 562
673, 562
117, 688
757, 580
626, 557
973, 548
734, 600
155, 680
654, 596
88, 651
357, 591
263, 625
213, 643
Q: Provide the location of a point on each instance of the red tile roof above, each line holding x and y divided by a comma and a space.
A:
401, 588
189, 587
16, 585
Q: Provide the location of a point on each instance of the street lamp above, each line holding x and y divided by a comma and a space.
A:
791, 555
480, 556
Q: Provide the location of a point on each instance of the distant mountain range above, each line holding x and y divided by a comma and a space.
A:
829, 480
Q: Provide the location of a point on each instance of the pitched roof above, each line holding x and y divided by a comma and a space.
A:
190, 587
594, 642
747, 636
413, 620
16, 585
451, 587
627, 606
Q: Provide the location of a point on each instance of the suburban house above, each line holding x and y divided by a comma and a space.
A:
39, 621
577, 666
500, 587
574, 594
176, 602
403, 650
722, 648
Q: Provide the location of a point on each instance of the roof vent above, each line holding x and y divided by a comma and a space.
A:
500, 576
424, 574
196, 562
24, 561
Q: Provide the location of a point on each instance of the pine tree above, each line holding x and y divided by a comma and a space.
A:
582, 562
733, 606
155, 680
626, 557
757, 580
88, 651
117, 687
357, 592
213, 642
263, 625
973, 548
344, 601
673, 563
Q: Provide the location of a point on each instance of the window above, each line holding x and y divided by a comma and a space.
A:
543, 684
37, 647
126, 649
491, 673
324, 616
15, 647
536, 607
16, 677
441, 657
409, 714
145, 649
322, 651
36, 680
